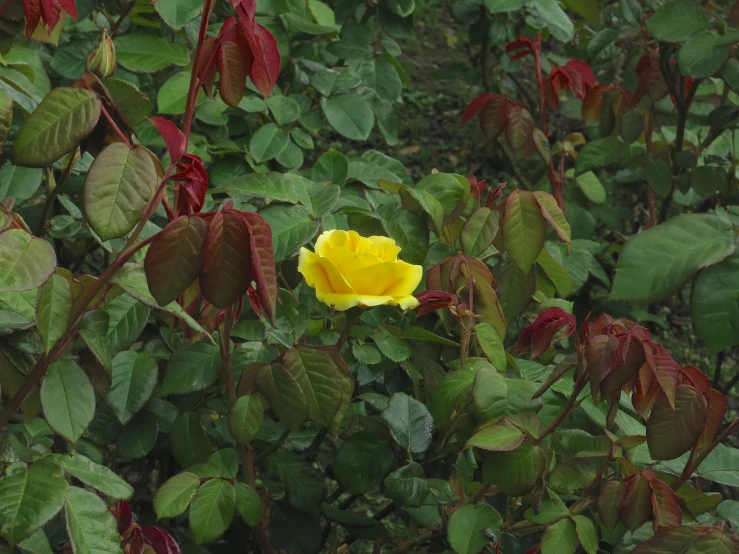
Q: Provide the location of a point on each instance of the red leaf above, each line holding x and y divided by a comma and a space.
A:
715, 413
123, 515
137, 545
160, 540
191, 185
666, 370
592, 104
600, 353
612, 495
266, 66
263, 262
539, 335
173, 260
691, 375
519, 131
431, 300
474, 107
254, 301
580, 75
672, 432
227, 260
206, 69
173, 138
665, 505
494, 116
637, 505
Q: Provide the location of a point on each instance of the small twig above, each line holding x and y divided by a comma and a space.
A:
522, 180
117, 129
118, 22
274, 447
717, 372
691, 467
572, 403
51, 197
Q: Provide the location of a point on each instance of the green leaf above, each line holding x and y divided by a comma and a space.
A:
466, 526
714, 304
26, 262
380, 75
6, 114
600, 153
410, 232
332, 80
410, 423
138, 437
660, 261
498, 437
118, 186
349, 115
591, 187
134, 378
672, 431
248, 504
515, 473
227, 461
524, 229
659, 176
129, 99
363, 461
176, 13
188, 441
325, 387
29, 498
586, 533
492, 345
127, 319
38, 543
676, 20
146, 53
560, 538
331, 167
212, 510
68, 399
132, 279
292, 227
91, 527
172, 94
556, 273
284, 394
54, 309
703, 54
246, 418
358, 525
56, 127
451, 190
479, 231
302, 25
95, 475
557, 21
350, 49
19, 182
550, 511
303, 483
317, 197
173, 497
502, 6
689, 539
391, 346
407, 486
284, 109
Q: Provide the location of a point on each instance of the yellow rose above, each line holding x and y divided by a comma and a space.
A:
349, 270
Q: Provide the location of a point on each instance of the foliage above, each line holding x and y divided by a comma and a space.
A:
213, 337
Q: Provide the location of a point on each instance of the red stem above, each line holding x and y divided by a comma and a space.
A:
192, 93
115, 127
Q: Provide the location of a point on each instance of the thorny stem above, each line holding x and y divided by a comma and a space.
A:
351, 317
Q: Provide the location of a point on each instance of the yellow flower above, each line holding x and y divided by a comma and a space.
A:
349, 270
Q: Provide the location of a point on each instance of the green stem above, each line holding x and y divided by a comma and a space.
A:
54, 193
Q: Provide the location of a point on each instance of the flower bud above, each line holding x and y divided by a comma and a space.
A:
102, 59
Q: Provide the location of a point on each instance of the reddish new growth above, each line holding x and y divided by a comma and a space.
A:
48, 12
135, 539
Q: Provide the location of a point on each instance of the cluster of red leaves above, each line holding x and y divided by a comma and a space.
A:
478, 188
575, 76
652, 81
48, 12
242, 48
224, 250
135, 539
682, 411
